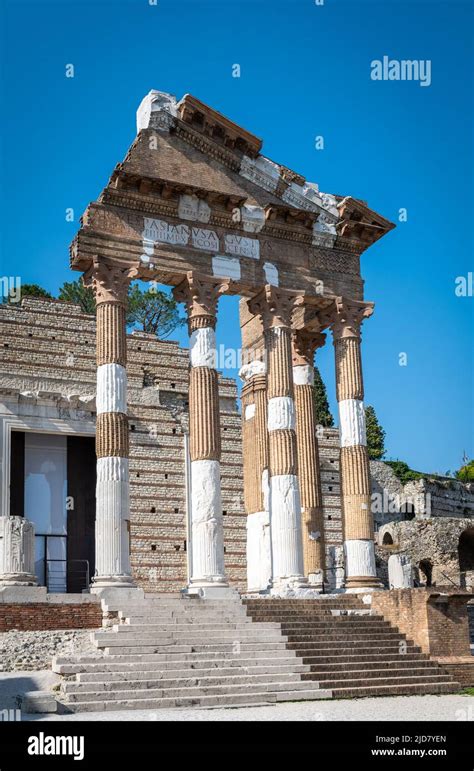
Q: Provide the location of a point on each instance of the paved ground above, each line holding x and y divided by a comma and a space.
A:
409, 708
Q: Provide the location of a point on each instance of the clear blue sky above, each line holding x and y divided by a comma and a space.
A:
305, 71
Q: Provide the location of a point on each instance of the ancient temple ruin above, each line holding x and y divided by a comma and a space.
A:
197, 206
178, 498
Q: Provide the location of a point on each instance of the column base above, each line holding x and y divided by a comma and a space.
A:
18, 579
211, 591
23, 593
316, 581
296, 587
111, 582
362, 583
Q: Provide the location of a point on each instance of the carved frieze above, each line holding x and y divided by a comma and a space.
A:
241, 246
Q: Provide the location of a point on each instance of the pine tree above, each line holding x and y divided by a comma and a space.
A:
375, 435
323, 414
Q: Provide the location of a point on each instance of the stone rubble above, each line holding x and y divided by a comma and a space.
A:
35, 650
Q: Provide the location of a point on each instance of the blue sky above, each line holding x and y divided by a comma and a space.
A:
305, 71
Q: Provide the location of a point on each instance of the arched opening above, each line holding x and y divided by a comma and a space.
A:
387, 540
466, 557
408, 511
426, 570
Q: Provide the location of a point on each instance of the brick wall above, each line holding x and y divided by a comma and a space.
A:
437, 623
41, 616
461, 669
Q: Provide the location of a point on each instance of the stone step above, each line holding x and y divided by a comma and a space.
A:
200, 629
117, 660
187, 681
338, 637
202, 670
336, 659
348, 650
120, 638
375, 674
176, 605
316, 618
225, 647
193, 663
189, 692
411, 679
333, 626
370, 641
406, 689
203, 702
186, 618
390, 665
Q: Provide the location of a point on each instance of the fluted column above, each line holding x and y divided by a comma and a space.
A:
109, 281
346, 321
275, 307
304, 344
255, 465
200, 295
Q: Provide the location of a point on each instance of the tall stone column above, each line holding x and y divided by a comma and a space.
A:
359, 554
255, 464
109, 281
275, 306
304, 344
200, 295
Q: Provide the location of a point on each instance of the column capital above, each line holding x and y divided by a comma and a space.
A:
304, 343
345, 317
109, 280
200, 294
275, 306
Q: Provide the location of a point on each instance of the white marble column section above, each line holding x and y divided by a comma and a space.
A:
113, 512
201, 293
275, 307
206, 503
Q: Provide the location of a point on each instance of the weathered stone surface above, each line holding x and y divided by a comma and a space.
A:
35, 650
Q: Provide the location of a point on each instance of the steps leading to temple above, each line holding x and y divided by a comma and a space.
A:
350, 652
170, 652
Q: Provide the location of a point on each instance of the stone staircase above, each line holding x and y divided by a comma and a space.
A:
173, 652
351, 651
166, 651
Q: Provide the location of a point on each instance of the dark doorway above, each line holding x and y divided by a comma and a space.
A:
387, 540
466, 554
81, 478
426, 569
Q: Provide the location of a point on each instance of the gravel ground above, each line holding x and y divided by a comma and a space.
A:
405, 708
35, 650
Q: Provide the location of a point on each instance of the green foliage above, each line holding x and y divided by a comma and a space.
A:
149, 310
153, 311
323, 414
375, 435
403, 471
76, 292
466, 472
